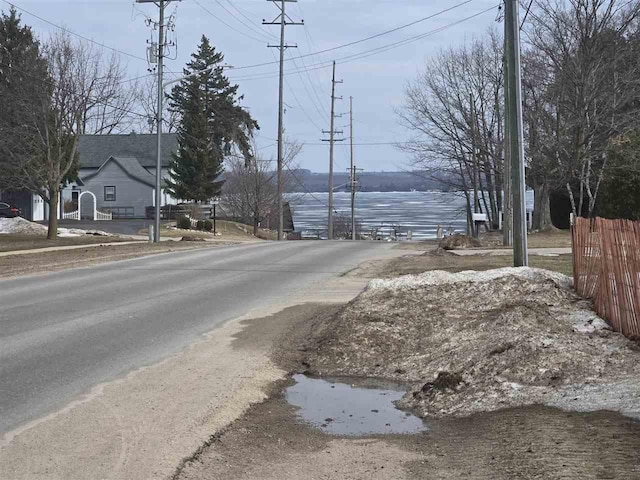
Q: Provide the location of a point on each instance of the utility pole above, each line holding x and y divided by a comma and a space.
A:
474, 159
507, 216
516, 134
353, 173
283, 20
160, 72
332, 141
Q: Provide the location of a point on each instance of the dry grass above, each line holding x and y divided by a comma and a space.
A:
229, 231
440, 260
12, 242
61, 260
544, 239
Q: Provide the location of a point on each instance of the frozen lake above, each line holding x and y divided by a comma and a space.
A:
420, 212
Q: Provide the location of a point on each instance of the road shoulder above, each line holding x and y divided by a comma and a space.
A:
30, 263
144, 425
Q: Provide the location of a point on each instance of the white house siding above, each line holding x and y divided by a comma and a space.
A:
131, 193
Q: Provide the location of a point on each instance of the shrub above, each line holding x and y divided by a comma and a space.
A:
200, 225
183, 223
208, 225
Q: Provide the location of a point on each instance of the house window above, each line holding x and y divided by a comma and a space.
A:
109, 194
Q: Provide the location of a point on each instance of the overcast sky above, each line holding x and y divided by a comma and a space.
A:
376, 82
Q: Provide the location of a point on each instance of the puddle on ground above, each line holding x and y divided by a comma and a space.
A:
339, 408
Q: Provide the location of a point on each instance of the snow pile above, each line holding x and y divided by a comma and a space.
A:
439, 277
77, 232
479, 341
20, 226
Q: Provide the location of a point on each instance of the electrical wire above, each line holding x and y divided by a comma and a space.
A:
90, 99
71, 32
310, 95
197, 2
371, 37
321, 95
366, 53
526, 14
241, 12
243, 23
295, 97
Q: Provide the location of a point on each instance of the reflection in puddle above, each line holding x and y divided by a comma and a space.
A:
342, 409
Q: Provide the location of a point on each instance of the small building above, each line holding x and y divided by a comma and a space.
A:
119, 170
32, 207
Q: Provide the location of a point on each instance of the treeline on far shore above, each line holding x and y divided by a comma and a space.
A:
368, 182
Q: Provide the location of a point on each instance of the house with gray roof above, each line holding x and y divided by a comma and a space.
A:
120, 172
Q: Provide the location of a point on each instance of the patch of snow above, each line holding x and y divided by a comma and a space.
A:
21, 226
517, 336
586, 321
439, 277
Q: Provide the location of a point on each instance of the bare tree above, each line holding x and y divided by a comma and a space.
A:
588, 64
454, 105
45, 148
146, 101
250, 191
110, 97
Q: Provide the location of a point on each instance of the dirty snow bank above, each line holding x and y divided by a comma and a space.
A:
21, 226
480, 341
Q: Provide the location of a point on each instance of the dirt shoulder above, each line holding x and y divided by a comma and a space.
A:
144, 425
481, 341
26, 264
481, 354
270, 442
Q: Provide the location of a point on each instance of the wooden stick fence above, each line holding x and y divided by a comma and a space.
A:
606, 269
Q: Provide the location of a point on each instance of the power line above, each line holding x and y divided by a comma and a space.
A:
71, 32
371, 37
309, 94
225, 23
248, 26
307, 191
307, 33
526, 14
361, 144
241, 12
94, 100
366, 53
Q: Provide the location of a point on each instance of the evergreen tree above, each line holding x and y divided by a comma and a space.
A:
211, 124
23, 77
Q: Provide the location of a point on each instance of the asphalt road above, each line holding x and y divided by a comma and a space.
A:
63, 333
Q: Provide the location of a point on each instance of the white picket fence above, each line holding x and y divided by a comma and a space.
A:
194, 222
103, 216
75, 215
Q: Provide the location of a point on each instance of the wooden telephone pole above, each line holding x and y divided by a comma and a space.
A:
513, 119
283, 20
332, 131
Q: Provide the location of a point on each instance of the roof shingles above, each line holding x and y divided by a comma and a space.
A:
95, 150
131, 166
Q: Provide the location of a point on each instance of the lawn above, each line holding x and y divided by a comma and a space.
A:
10, 242
226, 231
441, 260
